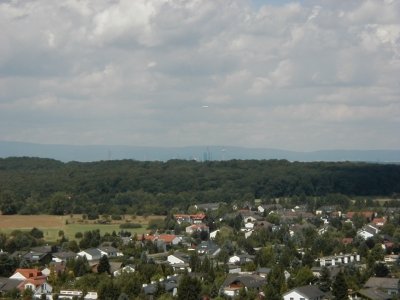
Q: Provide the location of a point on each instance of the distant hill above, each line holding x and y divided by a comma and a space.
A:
67, 153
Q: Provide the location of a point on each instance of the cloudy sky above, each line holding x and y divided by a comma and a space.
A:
302, 75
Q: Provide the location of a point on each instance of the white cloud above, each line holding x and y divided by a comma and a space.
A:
295, 75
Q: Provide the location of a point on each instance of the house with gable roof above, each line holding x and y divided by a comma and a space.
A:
63, 256
390, 286
307, 292
91, 254
39, 286
23, 274
208, 248
7, 285
368, 231
235, 282
110, 251
179, 261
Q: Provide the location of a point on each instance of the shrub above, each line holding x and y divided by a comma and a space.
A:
130, 225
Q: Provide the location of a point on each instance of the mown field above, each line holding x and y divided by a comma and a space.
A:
70, 225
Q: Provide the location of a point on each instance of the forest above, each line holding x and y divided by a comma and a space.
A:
35, 185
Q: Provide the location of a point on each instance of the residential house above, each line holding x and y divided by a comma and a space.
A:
234, 268
126, 269
388, 285
379, 222
197, 228
263, 272
23, 274
341, 259
170, 285
110, 251
63, 256
268, 207
347, 241
72, 294
368, 215
368, 231
326, 210
235, 282
55, 267
391, 258
208, 206
33, 257
192, 219
371, 294
7, 285
213, 234
208, 248
178, 258
39, 286
241, 259
307, 292
91, 254
179, 261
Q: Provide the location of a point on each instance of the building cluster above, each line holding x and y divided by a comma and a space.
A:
176, 250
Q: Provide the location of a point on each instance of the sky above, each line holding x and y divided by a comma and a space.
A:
295, 75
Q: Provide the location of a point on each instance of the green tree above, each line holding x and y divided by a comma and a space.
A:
381, 270
36, 233
107, 290
304, 276
276, 284
324, 281
104, 265
339, 287
189, 288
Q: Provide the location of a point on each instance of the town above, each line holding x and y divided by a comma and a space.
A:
274, 249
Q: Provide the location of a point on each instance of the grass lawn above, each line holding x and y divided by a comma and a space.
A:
51, 234
51, 225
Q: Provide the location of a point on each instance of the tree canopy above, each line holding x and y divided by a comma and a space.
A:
34, 185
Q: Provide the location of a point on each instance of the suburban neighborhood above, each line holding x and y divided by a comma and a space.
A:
255, 250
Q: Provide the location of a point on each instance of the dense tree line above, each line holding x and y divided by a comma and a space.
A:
34, 185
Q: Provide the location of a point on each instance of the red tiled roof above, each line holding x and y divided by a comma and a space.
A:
35, 281
29, 273
347, 241
167, 238
366, 214
379, 220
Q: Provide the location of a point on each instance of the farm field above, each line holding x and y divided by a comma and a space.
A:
70, 224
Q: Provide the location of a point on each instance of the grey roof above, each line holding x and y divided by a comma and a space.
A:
64, 254
182, 256
382, 282
169, 284
34, 256
208, 206
7, 284
208, 247
372, 229
43, 249
248, 280
308, 291
93, 251
263, 270
108, 249
374, 294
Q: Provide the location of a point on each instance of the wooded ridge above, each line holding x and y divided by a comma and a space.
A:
36, 185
